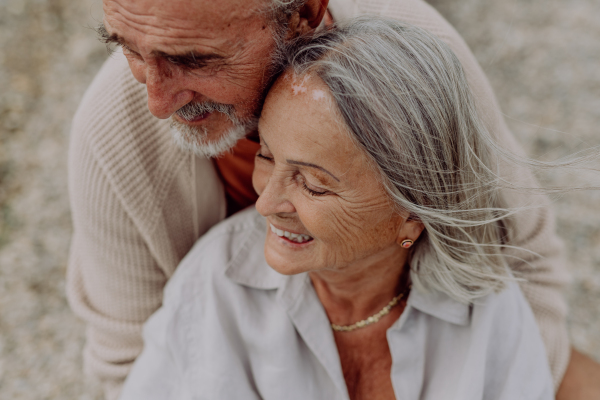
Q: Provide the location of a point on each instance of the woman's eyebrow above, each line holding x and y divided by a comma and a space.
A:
312, 166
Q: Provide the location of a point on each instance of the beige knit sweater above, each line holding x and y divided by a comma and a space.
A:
139, 204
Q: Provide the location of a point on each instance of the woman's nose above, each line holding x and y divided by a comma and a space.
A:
273, 199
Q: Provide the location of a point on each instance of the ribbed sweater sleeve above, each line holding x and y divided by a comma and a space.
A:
136, 213
113, 281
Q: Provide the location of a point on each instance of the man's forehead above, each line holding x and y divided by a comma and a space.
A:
183, 14
177, 27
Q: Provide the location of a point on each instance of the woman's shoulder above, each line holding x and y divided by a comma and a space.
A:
494, 344
507, 308
515, 351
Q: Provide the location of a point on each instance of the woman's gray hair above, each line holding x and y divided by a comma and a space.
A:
405, 99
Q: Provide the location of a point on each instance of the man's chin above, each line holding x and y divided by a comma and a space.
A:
195, 139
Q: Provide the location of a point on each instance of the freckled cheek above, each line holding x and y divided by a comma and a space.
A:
348, 232
344, 243
381, 230
325, 223
356, 232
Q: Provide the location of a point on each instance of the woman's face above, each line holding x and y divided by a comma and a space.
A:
325, 207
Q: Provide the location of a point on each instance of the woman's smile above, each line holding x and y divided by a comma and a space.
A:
290, 237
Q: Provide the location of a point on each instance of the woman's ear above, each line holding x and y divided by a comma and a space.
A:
308, 18
409, 233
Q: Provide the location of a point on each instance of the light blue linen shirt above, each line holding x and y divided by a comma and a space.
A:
233, 328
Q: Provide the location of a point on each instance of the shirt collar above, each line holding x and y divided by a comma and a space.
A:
441, 306
248, 267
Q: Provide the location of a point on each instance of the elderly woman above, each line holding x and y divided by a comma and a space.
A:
371, 267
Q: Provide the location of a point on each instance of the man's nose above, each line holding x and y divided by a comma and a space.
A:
166, 88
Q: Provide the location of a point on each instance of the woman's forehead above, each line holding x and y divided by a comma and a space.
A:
307, 87
300, 114
301, 122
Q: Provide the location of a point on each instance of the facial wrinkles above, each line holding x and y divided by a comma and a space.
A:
350, 159
181, 19
246, 72
242, 74
358, 199
363, 199
283, 182
319, 152
153, 33
351, 212
324, 181
176, 32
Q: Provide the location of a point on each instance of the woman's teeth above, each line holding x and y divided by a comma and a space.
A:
294, 237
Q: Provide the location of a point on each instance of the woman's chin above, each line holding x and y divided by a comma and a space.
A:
286, 259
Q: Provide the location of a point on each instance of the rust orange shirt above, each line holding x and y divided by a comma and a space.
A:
235, 169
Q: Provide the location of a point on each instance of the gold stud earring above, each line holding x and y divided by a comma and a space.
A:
406, 243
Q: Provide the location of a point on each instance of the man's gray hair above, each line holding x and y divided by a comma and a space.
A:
406, 102
286, 6
279, 13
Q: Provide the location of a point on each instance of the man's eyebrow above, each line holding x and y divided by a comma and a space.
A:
106, 37
312, 166
190, 59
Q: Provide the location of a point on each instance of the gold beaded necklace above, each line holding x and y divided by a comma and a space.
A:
373, 318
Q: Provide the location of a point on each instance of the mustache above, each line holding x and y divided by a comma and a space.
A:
195, 109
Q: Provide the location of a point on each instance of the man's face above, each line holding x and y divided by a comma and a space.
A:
205, 63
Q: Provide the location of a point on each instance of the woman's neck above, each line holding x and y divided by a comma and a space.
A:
363, 289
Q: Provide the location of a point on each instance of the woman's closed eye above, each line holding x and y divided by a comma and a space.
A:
312, 190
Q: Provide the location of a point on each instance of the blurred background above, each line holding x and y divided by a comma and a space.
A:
541, 56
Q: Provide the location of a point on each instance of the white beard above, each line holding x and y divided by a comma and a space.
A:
195, 139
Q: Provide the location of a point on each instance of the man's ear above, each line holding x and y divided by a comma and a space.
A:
308, 17
313, 12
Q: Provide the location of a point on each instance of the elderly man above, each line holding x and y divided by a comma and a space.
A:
140, 202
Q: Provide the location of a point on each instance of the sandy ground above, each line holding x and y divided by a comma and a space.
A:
541, 56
